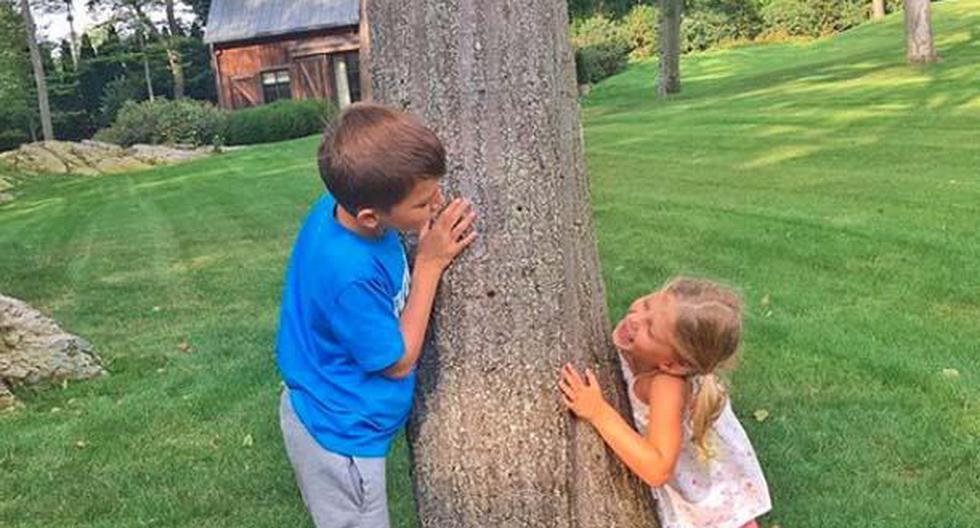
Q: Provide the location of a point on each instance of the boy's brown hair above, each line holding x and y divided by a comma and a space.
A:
372, 156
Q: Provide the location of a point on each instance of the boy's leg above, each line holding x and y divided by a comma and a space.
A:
339, 491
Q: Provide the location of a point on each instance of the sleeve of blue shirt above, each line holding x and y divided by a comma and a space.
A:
366, 326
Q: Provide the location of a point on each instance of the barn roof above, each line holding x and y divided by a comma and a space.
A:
230, 20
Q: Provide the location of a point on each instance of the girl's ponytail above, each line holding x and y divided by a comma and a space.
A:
707, 333
709, 400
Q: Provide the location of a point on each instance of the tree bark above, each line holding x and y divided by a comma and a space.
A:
669, 81
173, 51
490, 443
919, 46
146, 67
877, 10
72, 34
44, 108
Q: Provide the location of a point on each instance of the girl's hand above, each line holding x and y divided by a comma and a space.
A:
582, 397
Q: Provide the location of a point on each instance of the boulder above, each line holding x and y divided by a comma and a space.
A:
92, 158
33, 349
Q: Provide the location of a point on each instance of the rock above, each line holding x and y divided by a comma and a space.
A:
5, 184
161, 155
6, 197
33, 348
95, 157
7, 399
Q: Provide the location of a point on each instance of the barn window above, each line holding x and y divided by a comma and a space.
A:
275, 85
354, 76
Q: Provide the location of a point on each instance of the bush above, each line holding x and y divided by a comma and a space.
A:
640, 28
187, 121
115, 94
164, 121
277, 121
701, 30
812, 18
595, 63
601, 48
11, 139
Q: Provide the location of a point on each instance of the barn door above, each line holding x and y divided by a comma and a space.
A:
313, 75
244, 92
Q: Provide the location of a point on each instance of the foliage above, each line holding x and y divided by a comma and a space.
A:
640, 28
17, 103
812, 18
601, 48
182, 121
201, 123
284, 119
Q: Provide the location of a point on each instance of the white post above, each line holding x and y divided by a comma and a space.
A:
340, 79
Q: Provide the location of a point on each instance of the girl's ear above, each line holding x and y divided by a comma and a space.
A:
677, 368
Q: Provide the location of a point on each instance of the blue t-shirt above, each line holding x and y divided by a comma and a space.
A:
339, 330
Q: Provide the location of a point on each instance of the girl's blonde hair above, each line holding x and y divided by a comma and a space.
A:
707, 334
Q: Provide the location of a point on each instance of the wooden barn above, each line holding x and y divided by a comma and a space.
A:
266, 50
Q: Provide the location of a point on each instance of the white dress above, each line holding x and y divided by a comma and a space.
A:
726, 491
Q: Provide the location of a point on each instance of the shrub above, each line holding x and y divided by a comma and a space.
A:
812, 18
10, 139
640, 28
595, 63
601, 48
164, 121
701, 30
277, 121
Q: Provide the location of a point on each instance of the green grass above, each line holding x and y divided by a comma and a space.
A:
837, 187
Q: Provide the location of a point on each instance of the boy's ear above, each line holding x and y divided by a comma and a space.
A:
369, 218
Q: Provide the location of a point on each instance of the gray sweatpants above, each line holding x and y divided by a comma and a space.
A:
340, 491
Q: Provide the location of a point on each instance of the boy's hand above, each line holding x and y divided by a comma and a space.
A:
582, 397
446, 236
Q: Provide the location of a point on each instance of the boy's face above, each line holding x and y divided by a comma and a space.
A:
417, 209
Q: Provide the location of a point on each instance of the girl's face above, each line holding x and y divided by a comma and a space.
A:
645, 336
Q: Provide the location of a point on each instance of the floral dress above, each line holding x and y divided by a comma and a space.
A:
728, 490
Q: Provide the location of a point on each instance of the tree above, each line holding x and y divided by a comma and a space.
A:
200, 8
877, 10
490, 444
919, 46
66, 7
669, 80
17, 103
44, 109
173, 50
135, 14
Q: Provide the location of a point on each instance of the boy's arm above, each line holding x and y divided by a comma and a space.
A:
438, 245
651, 458
415, 318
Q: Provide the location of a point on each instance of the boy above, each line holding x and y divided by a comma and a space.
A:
350, 332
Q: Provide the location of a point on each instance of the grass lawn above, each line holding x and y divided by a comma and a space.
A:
837, 187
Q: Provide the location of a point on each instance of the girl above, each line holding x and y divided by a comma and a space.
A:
693, 452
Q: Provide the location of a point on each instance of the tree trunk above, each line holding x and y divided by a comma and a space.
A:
491, 445
877, 10
146, 68
72, 34
44, 108
919, 47
669, 81
173, 52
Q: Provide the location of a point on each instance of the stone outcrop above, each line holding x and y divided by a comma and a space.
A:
92, 158
33, 349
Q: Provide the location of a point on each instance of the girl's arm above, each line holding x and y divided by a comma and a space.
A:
651, 458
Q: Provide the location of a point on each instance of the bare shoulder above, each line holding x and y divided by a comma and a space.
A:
667, 390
